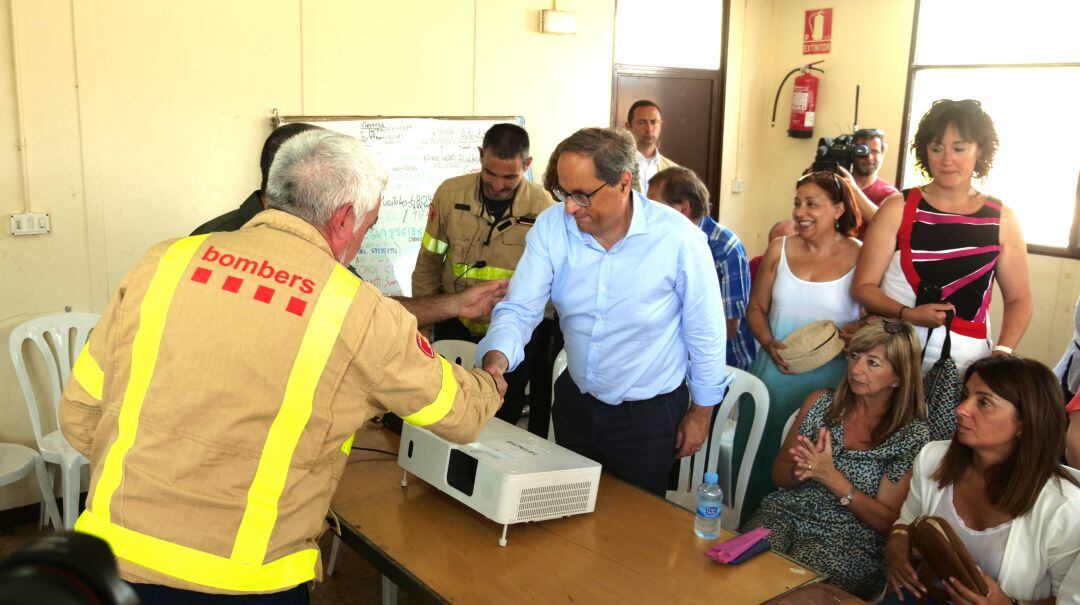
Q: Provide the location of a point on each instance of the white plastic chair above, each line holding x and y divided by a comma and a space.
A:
787, 427
716, 452
557, 369
15, 463
59, 339
461, 352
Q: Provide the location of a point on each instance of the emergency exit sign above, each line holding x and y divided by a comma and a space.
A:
817, 31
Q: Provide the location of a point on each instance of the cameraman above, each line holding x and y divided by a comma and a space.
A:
866, 168
860, 153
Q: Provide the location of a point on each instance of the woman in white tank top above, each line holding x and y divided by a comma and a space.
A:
801, 280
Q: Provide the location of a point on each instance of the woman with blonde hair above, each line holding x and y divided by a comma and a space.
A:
844, 468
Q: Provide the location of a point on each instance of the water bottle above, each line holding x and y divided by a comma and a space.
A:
709, 504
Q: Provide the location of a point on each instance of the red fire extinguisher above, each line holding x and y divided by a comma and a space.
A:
803, 101
803, 104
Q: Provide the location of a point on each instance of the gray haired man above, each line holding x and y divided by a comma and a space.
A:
219, 395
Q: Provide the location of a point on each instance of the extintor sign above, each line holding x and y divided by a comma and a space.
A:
817, 31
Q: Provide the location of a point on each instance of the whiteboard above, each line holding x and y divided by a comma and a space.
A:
419, 154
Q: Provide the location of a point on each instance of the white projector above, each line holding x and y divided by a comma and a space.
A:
508, 474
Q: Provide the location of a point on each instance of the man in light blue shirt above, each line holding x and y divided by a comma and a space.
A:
639, 308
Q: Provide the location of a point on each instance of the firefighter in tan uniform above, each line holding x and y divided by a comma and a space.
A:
218, 397
476, 232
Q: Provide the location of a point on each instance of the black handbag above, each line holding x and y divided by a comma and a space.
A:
944, 389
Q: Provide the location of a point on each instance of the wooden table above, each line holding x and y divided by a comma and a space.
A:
635, 547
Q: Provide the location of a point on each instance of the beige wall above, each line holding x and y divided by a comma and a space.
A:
864, 52
143, 119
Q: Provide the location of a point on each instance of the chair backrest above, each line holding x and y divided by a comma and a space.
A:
556, 370
787, 426
1072, 471
58, 339
461, 352
692, 469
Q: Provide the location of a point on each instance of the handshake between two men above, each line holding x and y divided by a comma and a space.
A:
475, 302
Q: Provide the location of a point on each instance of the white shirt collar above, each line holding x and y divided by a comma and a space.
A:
654, 160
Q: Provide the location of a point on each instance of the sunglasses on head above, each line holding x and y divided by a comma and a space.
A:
815, 177
974, 102
891, 326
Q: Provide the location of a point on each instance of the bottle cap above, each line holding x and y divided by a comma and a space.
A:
712, 478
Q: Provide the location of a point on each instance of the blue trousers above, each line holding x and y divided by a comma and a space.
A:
634, 440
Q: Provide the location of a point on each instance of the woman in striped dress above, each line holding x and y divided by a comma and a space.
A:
941, 246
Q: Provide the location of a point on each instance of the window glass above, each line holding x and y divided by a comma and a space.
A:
1034, 112
673, 33
964, 32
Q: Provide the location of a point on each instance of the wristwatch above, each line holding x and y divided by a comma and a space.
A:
848, 497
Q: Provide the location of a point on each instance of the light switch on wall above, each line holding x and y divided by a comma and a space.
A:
30, 223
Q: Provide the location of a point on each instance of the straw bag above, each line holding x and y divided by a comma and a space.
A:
811, 346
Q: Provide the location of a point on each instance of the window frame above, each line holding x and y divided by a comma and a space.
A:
1073, 249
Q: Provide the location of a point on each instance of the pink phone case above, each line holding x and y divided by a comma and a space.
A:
729, 550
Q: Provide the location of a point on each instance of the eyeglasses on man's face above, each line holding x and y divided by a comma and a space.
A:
581, 199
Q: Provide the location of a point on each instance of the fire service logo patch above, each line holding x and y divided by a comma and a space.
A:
424, 345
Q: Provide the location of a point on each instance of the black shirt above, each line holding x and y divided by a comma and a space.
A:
234, 219
496, 208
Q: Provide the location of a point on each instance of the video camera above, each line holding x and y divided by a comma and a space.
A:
839, 151
63, 568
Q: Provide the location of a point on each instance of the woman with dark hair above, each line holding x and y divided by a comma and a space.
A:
939, 247
1000, 485
845, 466
801, 280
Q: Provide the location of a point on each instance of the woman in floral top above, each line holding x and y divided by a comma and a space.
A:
844, 468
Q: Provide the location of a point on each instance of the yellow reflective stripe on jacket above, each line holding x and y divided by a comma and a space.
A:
88, 373
444, 401
144, 352
261, 511
199, 567
433, 245
346, 448
474, 326
244, 571
485, 273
